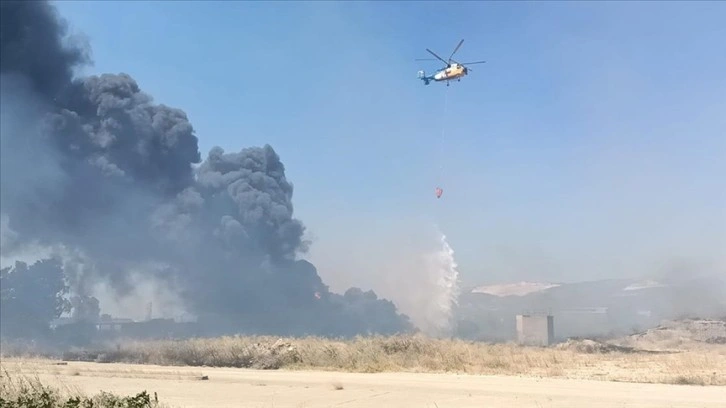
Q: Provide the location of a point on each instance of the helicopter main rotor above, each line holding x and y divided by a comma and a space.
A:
448, 63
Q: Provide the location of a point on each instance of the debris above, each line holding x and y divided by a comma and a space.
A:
593, 347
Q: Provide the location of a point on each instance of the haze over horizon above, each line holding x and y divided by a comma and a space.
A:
592, 143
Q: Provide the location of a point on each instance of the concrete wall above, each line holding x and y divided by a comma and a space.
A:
535, 330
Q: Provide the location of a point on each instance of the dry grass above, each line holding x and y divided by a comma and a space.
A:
21, 391
703, 366
22, 366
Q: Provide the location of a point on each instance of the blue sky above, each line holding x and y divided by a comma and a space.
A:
591, 144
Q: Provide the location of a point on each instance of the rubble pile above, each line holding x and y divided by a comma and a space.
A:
593, 347
690, 330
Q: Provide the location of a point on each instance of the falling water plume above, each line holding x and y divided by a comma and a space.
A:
444, 275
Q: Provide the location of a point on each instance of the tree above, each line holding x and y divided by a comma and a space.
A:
31, 297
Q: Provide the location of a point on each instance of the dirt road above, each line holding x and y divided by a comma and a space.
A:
182, 387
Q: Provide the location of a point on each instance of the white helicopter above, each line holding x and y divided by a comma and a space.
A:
454, 70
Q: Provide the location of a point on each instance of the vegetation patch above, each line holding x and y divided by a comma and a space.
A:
17, 391
576, 358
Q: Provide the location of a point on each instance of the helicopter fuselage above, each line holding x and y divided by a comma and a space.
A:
453, 71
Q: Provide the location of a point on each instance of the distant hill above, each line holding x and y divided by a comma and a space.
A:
593, 308
513, 289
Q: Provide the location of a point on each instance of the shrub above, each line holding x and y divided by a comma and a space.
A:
23, 392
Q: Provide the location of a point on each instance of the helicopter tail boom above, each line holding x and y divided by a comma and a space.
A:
422, 76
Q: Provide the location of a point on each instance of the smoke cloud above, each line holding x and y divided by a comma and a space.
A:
93, 166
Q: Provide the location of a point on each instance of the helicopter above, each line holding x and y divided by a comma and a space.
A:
454, 70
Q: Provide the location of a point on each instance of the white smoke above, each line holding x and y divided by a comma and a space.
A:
421, 277
443, 277
413, 265
149, 294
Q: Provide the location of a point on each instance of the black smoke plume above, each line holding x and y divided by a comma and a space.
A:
94, 165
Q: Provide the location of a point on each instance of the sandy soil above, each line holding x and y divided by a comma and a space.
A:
226, 387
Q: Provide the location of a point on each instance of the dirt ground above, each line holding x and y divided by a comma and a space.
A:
240, 388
